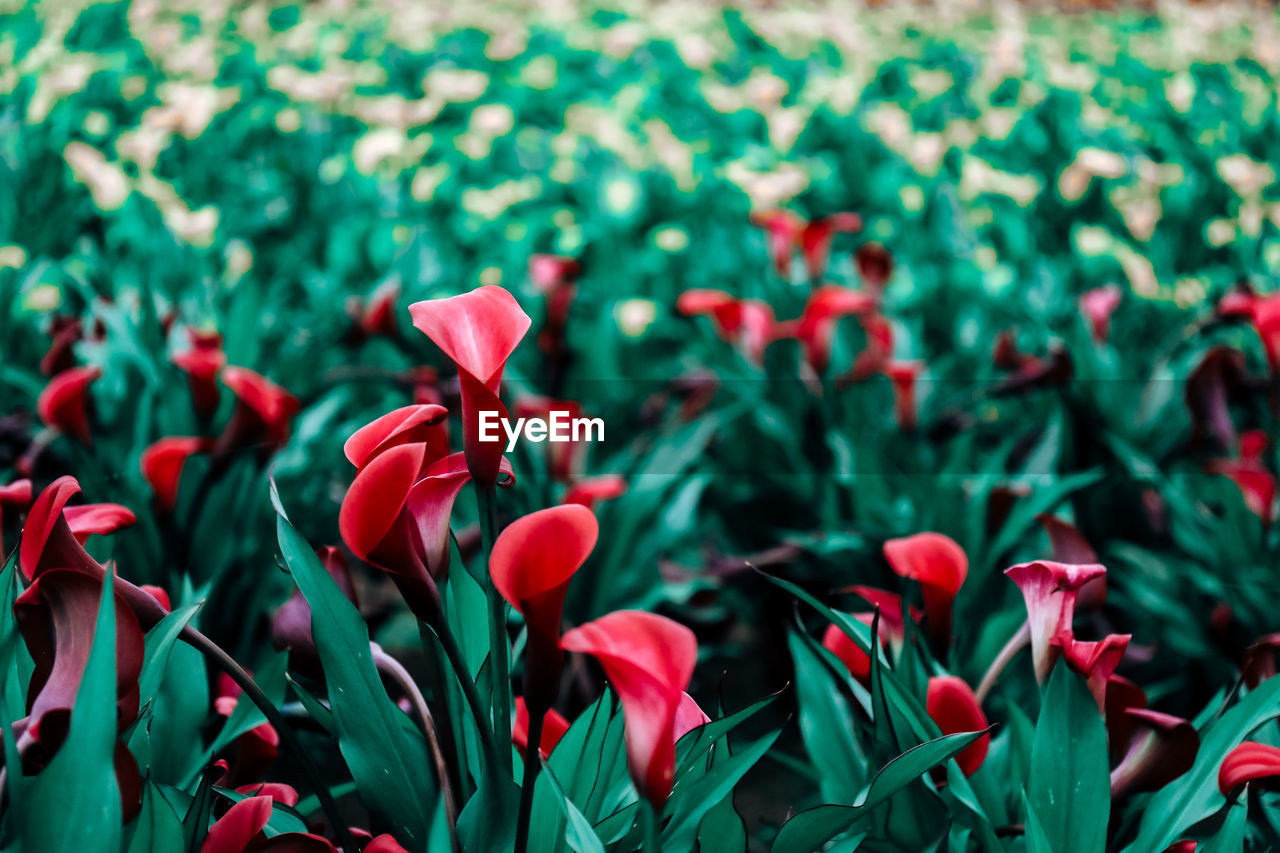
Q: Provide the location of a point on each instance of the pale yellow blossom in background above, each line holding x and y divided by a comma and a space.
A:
106, 182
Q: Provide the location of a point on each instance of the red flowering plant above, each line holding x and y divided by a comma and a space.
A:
966, 467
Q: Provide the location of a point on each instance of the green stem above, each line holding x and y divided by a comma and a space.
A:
227, 664
481, 714
532, 762
393, 670
649, 826
499, 677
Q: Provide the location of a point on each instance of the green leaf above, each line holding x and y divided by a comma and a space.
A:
1037, 841
579, 834
1194, 796
1230, 838
826, 724
693, 799
157, 828
811, 829
388, 764
159, 643
1069, 787
73, 806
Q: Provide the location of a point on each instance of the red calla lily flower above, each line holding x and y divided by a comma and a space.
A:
1264, 312
1256, 484
202, 363
875, 266
1050, 590
396, 512
891, 629
262, 414
1215, 383
97, 519
279, 792
816, 237
902, 377
159, 594
781, 230
242, 830
377, 316
252, 752
162, 465
378, 527
1070, 546
1097, 306
940, 566
554, 725
384, 844
649, 660
532, 562
64, 403
589, 492
822, 312
1259, 661
16, 495
556, 278
747, 323
875, 356
1161, 748
406, 425
49, 543
689, 716
1181, 847
64, 333
1121, 697
56, 616
478, 331
1250, 763
952, 705
785, 232
850, 653
1097, 662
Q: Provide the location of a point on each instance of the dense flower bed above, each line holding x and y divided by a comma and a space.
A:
936, 363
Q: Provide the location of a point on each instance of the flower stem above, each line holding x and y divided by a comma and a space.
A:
393, 670
499, 678
227, 664
532, 762
1006, 654
459, 665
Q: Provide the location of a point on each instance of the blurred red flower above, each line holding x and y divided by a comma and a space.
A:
940, 566
162, 464
262, 415
64, 403
952, 705
554, 725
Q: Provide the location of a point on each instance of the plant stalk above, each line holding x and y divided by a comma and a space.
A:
391, 668
532, 762
1006, 654
499, 674
459, 666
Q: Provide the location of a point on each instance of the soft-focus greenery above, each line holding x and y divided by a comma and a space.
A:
250, 167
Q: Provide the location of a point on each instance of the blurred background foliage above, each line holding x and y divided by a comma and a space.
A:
254, 168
